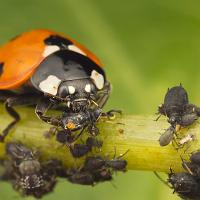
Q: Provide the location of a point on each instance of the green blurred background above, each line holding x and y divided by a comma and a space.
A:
146, 47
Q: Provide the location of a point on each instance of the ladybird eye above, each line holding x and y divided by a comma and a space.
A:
63, 92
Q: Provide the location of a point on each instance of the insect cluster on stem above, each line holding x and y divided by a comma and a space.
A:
187, 184
32, 176
179, 111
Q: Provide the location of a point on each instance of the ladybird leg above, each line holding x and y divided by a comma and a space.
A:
42, 107
9, 104
111, 113
106, 92
4, 95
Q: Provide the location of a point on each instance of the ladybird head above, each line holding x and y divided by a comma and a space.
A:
78, 94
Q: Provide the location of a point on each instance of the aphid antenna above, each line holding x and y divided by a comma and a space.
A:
122, 155
157, 118
161, 179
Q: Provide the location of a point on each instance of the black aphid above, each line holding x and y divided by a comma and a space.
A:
179, 111
185, 185
93, 163
177, 107
81, 177
96, 169
27, 174
79, 150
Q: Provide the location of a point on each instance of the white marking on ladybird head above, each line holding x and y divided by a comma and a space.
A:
88, 88
50, 85
76, 49
71, 89
98, 79
50, 49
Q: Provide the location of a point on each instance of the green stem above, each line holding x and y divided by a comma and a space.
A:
138, 134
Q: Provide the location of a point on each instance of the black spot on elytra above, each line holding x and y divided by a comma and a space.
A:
1, 68
63, 43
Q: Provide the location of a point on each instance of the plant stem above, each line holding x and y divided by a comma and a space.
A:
138, 134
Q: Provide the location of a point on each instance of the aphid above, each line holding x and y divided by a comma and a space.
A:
103, 174
167, 136
27, 174
185, 185
93, 163
49, 70
93, 142
83, 178
177, 108
65, 137
117, 163
79, 150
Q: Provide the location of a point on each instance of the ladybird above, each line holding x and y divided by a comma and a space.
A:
48, 70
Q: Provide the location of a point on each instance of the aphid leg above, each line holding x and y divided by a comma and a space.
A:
188, 146
161, 111
161, 179
157, 118
185, 166
51, 132
93, 130
9, 104
175, 144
